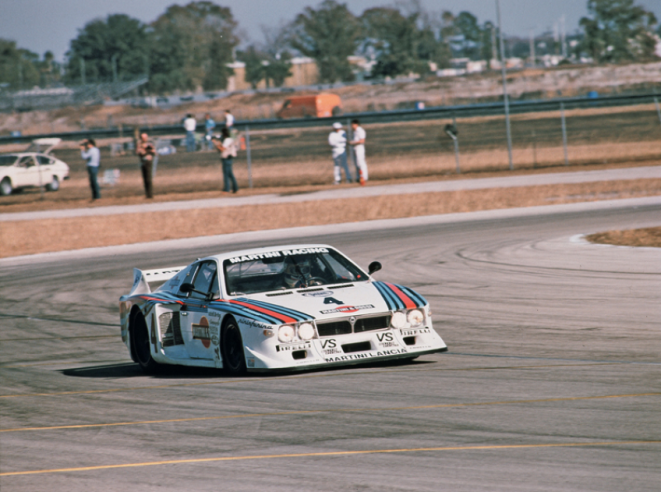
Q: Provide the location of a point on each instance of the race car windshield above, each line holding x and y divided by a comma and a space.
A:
289, 269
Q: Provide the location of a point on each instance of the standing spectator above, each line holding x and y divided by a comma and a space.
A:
358, 144
338, 142
189, 125
90, 152
146, 151
209, 125
229, 119
227, 149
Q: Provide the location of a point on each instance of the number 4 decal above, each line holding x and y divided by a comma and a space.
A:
332, 300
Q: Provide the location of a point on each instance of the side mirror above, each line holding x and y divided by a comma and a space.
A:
375, 266
186, 288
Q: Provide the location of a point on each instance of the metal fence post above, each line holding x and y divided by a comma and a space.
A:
564, 132
455, 139
534, 149
658, 110
248, 156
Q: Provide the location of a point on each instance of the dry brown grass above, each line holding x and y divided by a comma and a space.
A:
650, 237
29, 237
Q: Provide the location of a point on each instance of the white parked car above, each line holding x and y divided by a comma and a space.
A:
279, 308
34, 167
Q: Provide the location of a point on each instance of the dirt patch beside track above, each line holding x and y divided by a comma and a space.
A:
649, 237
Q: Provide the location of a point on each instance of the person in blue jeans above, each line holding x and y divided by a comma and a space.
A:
90, 152
338, 142
209, 125
227, 148
189, 125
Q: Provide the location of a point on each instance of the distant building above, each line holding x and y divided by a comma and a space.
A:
303, 72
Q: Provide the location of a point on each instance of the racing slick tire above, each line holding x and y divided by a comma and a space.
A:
54, 185
5, 187
141, 345
231, 343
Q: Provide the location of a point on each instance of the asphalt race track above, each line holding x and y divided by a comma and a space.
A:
551, 382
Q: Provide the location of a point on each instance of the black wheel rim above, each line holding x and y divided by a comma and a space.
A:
233, 347
141, 339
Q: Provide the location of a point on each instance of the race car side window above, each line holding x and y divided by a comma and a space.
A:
173, 284
44, 160
185, 277
206, 280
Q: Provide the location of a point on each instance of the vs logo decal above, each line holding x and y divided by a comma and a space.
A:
328, 344
332, 300
384, 337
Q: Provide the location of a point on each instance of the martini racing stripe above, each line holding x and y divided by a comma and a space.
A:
299, 316
225, 306
164, 298
399, 297
417, 298
393, 302
253, 311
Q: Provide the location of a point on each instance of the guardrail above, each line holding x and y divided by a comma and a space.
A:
440, 112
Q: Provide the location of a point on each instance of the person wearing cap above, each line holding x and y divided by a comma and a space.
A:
338, 142
146, 152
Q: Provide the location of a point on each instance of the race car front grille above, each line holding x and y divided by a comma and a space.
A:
369, 324
334, 328
170, 329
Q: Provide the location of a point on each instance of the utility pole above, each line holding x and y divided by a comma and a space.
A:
533, 59
114, 68
82, 70
563, 36
505, 98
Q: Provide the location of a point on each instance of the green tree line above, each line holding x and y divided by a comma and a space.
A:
191, 46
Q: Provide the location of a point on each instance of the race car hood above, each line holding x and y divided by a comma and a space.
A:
360, 298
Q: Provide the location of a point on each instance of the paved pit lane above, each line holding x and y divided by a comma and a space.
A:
551, 381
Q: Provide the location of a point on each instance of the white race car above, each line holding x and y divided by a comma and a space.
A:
278, 308
33, 167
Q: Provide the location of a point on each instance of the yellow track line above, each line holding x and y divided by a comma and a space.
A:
308, 376
335, 410
332, 453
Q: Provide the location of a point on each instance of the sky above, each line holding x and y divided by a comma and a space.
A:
42, 25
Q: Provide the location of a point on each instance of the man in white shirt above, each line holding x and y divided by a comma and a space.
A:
90, 152
338, 142
358, 143
189, 125
229, 119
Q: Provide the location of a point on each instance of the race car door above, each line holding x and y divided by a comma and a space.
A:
200, 335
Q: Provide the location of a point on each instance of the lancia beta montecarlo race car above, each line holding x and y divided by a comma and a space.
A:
279, 308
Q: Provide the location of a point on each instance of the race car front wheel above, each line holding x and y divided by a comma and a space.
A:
141, 347
234, 360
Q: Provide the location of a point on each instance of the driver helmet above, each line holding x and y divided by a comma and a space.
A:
297, 271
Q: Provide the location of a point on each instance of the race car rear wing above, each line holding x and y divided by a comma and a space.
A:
143, 281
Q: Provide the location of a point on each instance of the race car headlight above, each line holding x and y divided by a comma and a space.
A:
306, 331
398, 320
286, 333
415, 317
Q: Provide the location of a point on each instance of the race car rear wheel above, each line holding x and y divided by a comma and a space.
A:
140, 342
234, 360
6, 187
